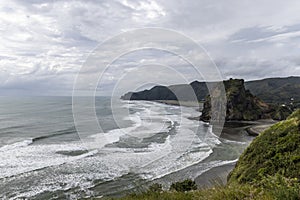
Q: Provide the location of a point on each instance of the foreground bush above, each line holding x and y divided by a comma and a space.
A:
273, 188
277, 150
184, 186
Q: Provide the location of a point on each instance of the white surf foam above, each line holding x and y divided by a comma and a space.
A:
22, 158
178, 151
16, 145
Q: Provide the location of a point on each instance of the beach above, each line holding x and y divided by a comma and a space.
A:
240, 131
233, 131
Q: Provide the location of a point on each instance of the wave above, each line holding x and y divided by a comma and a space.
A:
180, 149
233, 141
146, 123
25, 158
30, 141
216, 163
16, 145
70, 130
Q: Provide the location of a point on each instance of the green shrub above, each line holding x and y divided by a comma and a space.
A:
274, 151
280, 187
184, 186
156, 187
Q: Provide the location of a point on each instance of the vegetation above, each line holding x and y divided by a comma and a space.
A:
273, 188
275, 151
276, 90
268, 169
184, 186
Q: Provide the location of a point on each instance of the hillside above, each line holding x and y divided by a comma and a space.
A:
276, 90
195, 91
275, 151
273, 90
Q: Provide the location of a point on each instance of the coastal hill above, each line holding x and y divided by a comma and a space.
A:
276, 90
270, 90
185, 92
275, 151
242, 105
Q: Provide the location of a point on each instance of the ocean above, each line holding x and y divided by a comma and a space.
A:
42, 156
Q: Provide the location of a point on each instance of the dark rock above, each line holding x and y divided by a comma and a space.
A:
242, 105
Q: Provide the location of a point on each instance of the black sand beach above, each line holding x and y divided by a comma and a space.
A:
236, 131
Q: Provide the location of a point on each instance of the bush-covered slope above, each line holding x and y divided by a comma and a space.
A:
276, 90
275, 151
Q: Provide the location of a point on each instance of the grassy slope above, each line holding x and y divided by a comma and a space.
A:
277, 150
268, 169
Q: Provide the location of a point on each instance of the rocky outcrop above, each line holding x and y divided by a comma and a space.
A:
241, 104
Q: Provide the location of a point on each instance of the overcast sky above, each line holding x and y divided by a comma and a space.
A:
43, 44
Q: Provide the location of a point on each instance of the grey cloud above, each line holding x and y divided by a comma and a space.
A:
44, 43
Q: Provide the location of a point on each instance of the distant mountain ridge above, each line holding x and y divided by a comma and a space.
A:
276, 90
185, 92
270, 90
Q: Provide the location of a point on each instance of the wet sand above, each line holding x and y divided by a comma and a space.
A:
232, 130
181, 103
237, 131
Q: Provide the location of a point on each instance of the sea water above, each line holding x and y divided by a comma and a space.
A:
42, 156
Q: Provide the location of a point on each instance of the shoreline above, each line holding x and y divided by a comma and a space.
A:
181, 103
233, 131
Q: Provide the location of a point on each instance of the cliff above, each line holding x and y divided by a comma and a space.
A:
270, 90
241, 104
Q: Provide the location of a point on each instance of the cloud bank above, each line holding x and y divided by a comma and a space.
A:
44, 43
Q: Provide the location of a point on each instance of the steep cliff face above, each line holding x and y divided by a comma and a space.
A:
241, 104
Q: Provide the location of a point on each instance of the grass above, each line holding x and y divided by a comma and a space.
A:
271, 188
277, 150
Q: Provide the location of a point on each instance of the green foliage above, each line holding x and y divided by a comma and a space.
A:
156, 187
275, 151
280, 187
232, 192
270, 188
281, 112
276, 90
184, 186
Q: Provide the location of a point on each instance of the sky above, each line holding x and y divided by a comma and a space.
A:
44, 44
